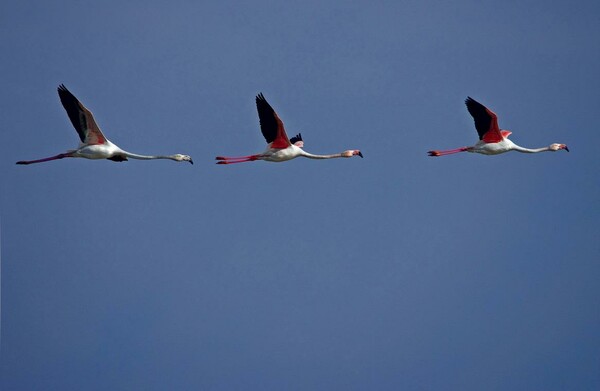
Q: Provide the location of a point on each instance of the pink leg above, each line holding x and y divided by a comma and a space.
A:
447, 152
240, 159
59, 156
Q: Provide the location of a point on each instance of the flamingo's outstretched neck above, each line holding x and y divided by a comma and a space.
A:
345, 154
47, 159
550, 148
448, 152
177, 157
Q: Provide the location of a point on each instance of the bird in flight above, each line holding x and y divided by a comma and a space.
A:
94, 145
280, 148
492, 140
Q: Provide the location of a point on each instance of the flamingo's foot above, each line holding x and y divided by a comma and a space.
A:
434, 153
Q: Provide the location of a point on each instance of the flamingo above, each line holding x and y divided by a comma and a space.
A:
94, 145
492, 140
279, 148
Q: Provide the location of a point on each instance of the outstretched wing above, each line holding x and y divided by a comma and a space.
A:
270, 124
486, 121
296, 138
81, 118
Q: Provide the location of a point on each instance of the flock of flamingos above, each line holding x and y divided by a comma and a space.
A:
94, 145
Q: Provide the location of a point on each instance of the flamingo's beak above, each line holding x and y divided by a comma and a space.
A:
191, 161
360, 154
566, 148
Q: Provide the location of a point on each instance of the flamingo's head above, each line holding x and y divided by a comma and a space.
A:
352, 152
183, 158
558, 147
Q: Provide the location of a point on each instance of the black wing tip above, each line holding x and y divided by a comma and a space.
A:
296, 138
261, 102
63, 92
475, 107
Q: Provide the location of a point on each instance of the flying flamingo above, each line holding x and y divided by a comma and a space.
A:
279, 148
492, 140
94, 145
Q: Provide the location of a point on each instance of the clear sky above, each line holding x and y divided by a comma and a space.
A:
396, 271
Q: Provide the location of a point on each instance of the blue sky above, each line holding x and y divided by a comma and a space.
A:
396, 271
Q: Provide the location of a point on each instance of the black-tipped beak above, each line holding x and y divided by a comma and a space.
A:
191, 161
567, 148
360, 154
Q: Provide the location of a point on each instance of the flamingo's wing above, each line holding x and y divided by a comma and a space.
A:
270, 124
81, 118
296, 138
486, 121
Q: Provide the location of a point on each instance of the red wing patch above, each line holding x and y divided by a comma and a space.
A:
492, 137
94, 138
93, 134
281, 140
